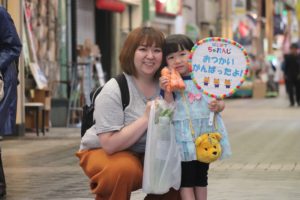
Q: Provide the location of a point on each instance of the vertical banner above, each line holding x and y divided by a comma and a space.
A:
298, 10
243, 24
30, 51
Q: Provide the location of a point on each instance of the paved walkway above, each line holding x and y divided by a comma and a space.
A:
265, 164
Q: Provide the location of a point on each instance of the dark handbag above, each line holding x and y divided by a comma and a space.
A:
88, 110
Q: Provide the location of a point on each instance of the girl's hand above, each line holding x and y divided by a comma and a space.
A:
216, 105
163, 82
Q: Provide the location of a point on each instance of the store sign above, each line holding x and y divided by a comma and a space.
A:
110, 5
239, 7
168, 7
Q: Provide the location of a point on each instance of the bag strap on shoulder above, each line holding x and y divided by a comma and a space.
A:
94, 94
123, 85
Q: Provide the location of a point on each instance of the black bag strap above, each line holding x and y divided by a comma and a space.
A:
122, 82
94, 94
123, 85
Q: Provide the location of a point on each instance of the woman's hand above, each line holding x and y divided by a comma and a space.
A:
216, 105
147, 110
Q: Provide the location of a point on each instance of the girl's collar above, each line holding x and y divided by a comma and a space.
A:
188, 77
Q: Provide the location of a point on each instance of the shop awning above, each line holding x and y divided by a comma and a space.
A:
110, 5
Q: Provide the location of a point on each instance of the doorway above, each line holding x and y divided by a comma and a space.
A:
103, 26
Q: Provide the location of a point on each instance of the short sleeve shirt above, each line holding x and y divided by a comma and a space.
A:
109, 115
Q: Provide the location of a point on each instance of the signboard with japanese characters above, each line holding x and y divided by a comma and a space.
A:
219, 66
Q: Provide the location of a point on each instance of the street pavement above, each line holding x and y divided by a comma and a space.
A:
265, 165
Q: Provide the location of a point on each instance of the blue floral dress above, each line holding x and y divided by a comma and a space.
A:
197, 103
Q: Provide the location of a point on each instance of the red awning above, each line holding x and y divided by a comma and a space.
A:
110, 5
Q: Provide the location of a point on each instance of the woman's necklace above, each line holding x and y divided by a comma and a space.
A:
150, 92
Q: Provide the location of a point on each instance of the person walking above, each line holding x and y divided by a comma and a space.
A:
292, 74
115, 168
10, 49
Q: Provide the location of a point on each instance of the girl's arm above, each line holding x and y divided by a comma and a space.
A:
216, 105
168, 95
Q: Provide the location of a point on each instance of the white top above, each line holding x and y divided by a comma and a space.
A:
110, 116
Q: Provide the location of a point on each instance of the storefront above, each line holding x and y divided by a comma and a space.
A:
51, 33
163, 15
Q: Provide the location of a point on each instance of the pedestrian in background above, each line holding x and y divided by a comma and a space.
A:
292, 74
10, 49
116, 168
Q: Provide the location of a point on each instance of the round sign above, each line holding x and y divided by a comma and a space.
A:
219, 66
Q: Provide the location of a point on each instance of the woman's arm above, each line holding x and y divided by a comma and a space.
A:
115, 134
116, 141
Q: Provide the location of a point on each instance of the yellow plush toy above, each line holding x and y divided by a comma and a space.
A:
208, 147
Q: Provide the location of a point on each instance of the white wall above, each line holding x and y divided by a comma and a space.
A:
207, 11
189, 11
136, 17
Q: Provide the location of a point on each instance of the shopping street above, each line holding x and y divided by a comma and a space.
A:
265, 163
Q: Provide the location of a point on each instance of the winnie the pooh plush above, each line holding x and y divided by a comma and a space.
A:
208, 147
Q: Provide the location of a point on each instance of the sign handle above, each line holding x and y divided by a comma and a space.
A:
211, 118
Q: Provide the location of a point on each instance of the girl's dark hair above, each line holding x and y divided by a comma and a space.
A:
138, 36
176, 42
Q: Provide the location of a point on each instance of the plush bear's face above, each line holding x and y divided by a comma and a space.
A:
208, 148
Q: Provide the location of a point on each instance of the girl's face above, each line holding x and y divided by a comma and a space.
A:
179, 61
147, 59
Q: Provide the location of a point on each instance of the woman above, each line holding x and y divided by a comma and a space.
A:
115, 169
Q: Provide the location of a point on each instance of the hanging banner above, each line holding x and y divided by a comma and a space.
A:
219, 66
30, 51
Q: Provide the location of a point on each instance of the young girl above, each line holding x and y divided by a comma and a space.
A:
192, 107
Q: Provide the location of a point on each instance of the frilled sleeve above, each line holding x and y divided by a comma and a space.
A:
10, 44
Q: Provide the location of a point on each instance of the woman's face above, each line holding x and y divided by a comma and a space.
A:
147, 59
